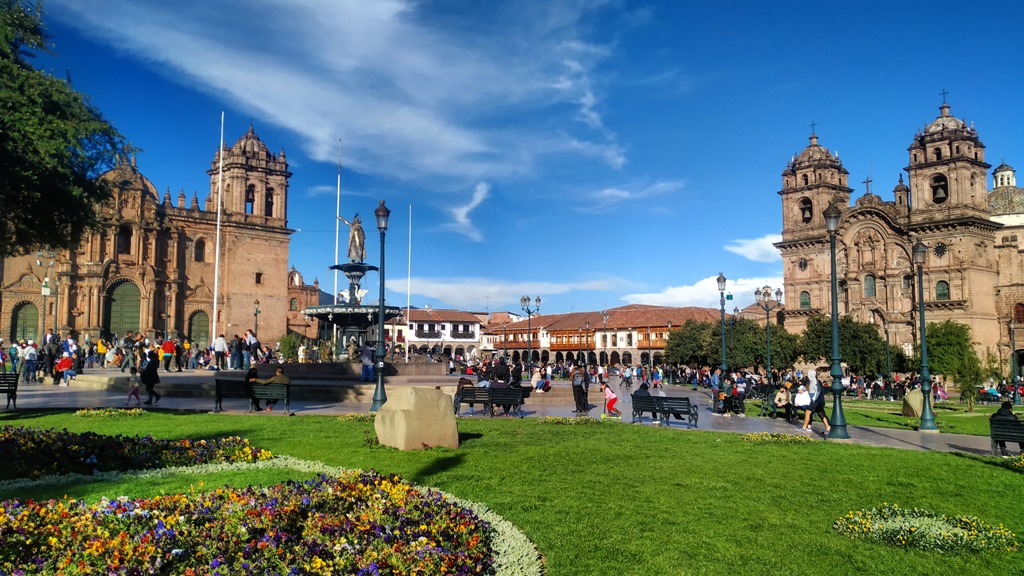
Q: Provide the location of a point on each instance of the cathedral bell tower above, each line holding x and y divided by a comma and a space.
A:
947, 171
811, 181
255, 182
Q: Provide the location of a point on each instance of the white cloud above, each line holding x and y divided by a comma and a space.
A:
705, 293
472, 293
758, 249
460, 214
411, 93
607, 199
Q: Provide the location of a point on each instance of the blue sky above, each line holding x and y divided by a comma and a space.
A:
593, 153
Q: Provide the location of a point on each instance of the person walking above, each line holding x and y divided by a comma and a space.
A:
220, 349
150, 377
167, 350
366, 358
610, 411
133, 388
578, 378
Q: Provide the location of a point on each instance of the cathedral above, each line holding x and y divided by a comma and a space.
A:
974, 264
151, 268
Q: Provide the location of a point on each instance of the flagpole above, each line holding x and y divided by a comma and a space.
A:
220, 203
337, 231
408, 287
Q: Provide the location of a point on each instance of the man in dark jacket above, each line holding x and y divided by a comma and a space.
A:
1005, 412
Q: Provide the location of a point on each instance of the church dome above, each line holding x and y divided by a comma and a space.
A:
944, 122
251, 145
1006, 200
814, 151
1004, 167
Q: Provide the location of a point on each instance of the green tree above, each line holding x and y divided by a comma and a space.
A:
290, 346
690, 344
860, 345
951, 353
53, 144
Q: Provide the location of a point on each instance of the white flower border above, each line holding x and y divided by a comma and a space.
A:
514, 553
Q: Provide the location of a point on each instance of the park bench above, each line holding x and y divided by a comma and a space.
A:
9, 386
225, 388
679, 406
491, 397
663, 407
1005, 431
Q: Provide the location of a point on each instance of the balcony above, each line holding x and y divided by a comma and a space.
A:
464, 335
428, 334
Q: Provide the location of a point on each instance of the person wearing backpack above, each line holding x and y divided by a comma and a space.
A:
578, 378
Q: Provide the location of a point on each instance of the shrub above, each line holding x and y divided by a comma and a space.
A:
775, 438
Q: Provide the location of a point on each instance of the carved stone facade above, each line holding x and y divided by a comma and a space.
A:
151, 268
972, 271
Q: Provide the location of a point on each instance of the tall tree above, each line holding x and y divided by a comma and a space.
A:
53, 144
860, 345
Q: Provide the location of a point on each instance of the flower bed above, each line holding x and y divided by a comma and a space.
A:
775, 438
353, 523
916, 528
33, 453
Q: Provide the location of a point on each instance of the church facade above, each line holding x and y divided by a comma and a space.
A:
151, 267
973, 268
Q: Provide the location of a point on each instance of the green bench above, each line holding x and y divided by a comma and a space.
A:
9, 386
663, 407
491, 397
1005, 431
225, 388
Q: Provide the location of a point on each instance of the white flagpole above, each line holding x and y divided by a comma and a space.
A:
408, 288
337, 228
220, 203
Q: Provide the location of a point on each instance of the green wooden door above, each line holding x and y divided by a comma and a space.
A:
25, 322
199, 329
121, 312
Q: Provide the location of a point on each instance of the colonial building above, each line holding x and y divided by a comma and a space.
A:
973, 267
151, 268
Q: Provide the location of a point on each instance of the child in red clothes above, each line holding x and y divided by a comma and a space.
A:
609, 402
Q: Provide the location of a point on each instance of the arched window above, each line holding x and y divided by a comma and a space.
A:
805, 301
268, 203
250, 198
1018, 313
294, 305
942, 290
806, 210
940, 189
869, 286
200, 251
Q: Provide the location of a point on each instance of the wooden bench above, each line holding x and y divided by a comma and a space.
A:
678, 406
491, 397
663, 407
224, 388
273, 392
1005, 431
9, 386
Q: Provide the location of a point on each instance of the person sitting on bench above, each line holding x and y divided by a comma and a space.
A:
277, 378
784, 400
1005, 412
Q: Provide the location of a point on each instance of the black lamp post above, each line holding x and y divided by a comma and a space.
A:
927, 416
504, 340
1013, 364
838, 420
763, 299
524, 302
888, 361
256, 318
379, 396
721, 291
586, 346
664, 354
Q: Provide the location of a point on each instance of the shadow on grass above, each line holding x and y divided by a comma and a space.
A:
467, 436
986, 459
435, 467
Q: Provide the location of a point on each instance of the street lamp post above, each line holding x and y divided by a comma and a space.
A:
586, 346
379, 395
763, 299
838, 420
256, 319
927, 416
504, 340
888, 361
721, 291
46, 289
167, 311
1013, 364
524, 302
664, 354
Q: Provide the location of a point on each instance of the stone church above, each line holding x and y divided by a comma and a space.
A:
974, 265
151, 268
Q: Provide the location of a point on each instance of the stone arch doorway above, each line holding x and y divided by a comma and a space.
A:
25, 322
121, 309
615, 358
627, 358
199, 330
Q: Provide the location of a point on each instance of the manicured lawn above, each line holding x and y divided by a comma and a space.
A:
615, 498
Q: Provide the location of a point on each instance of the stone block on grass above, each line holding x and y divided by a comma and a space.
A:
416, 419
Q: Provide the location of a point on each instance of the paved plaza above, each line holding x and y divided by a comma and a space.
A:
178, 395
